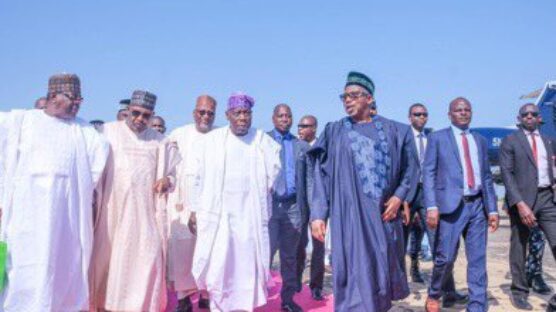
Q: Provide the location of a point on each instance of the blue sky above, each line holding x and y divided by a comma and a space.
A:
297, 52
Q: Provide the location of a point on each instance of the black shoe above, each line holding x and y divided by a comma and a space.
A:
415, 274
184, 305
204, 303
551, 306
316, 293
520, 302
452, 298
539, 286
299, 287
291, 306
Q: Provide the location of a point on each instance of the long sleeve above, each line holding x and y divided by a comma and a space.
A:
507, 164
319, 200
409, 168
487, 180
429, 173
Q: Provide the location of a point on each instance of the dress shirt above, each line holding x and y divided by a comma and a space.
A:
288, 164
542, 166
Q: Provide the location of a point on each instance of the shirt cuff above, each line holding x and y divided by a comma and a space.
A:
432, 208
493, 213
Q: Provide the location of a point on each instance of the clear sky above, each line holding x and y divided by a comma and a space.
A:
297, 52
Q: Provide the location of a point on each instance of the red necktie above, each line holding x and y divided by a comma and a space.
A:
468, 165
534, 147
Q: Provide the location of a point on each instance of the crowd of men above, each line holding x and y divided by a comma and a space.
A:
114, 216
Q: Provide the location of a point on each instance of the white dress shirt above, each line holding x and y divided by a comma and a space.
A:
542, 165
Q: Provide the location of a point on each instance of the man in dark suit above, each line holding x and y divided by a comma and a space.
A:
459, 194
289, 203
526, 162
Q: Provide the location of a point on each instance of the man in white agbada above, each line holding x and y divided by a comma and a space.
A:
181, 242
237, 166
50, 162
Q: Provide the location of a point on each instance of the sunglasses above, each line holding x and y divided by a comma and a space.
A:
420, 114
303, 126
71, 97
534, 114
205, 112
136, 114
352, 95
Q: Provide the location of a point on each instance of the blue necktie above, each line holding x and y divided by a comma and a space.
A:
421, 147
280, 188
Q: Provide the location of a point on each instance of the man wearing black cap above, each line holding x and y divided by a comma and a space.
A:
362, 174
127, 272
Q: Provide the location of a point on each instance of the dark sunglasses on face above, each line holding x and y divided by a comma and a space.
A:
534, 114
205, 112
352, 95
421, 114
136, 114
71, 97
303, 126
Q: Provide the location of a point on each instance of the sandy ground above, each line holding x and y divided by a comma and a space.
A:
498, 274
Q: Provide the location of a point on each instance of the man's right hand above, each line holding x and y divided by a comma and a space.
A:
432, 218
192, 223
526, 214
318, 229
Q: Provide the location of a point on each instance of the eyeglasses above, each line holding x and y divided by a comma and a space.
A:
420, 114
303, 126
525, 114
71, 97
136, 114
353, 95
205, 112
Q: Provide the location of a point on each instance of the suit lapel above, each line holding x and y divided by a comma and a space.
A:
549, 156
526, 146
480, 150
455, 149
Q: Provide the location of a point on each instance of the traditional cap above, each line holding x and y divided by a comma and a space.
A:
359, 79
240, 100
143, 98
124, 103
64, 83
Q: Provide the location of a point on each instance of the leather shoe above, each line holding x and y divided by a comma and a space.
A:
454, 297
539, 286
432, 305
316, 293
415, 273
291, 306
204, 303
520, 302
184, 305
551, 307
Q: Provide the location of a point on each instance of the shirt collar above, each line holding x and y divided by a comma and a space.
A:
457, 130
417, 132
278, 135
527, 132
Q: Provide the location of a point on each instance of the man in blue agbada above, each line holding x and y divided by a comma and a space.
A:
363, 173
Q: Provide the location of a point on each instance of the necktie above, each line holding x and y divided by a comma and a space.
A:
534, 148
421, 147
467, 159
280, 188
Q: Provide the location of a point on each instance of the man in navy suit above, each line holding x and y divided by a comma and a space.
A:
460, 200
289, 203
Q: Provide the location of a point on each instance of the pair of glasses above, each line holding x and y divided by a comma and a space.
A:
71, 97
352, 95
205, 112
421, 114
304, 126
136, 114
534, 114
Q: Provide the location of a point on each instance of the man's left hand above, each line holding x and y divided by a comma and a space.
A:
162, 185
392, 207
493, 222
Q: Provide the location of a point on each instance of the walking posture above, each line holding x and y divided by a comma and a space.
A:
128, 263
50, 162
359, 185
289, 203
236, 168
526, 162
181, 242
459, 195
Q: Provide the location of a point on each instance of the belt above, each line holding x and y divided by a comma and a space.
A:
544, 188
472, 198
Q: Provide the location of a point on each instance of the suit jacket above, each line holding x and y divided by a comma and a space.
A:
519, 171
412, 196
302, 178
443, 173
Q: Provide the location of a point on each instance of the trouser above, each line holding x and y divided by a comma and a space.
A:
545, 212
533, 265
469, 220
317, 258
417, 207
285, 231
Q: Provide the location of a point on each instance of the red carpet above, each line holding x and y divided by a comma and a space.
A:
303, 299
